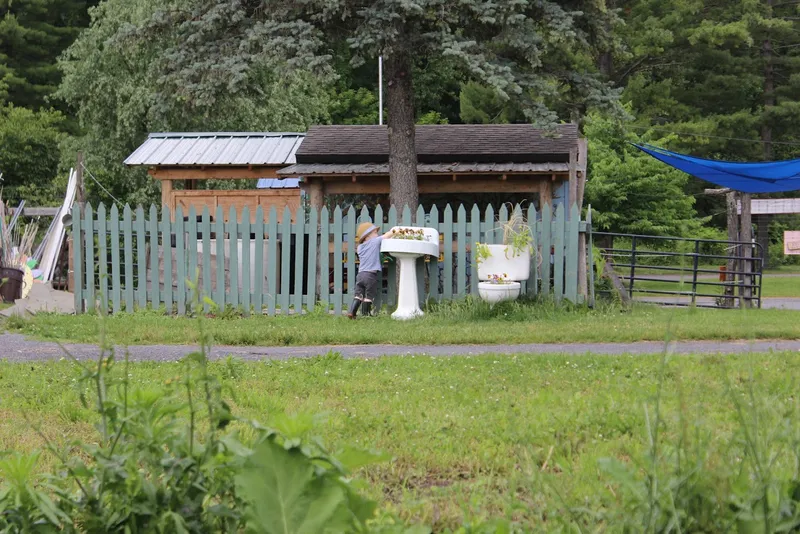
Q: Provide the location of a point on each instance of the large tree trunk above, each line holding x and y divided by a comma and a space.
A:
403, 190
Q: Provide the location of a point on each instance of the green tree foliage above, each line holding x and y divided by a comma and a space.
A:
113, 81
29, 156
513, 47
631, 192
722, 69
32, 35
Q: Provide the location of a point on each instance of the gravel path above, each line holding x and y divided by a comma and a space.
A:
15, 348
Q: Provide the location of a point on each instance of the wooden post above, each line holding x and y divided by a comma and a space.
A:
573, 178
733, 235
763, 220
316, 193
80, 192
70, 267
583, 287
545, 193
80, 189
166, 194
746, 235
583, 156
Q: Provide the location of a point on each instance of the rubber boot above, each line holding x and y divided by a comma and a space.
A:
366, 309
354, 308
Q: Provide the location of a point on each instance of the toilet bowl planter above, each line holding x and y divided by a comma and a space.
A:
516, 264
513, 257
498, 289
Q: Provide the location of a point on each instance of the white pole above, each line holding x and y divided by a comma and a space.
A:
380, 90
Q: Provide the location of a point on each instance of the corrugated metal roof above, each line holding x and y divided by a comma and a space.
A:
303, 169
217, 148
275, 183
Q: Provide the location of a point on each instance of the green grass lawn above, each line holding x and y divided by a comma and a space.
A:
507, 435
457, 323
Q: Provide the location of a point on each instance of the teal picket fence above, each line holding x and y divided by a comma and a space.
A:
141, 259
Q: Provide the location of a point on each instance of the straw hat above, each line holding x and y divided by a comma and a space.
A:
363, 230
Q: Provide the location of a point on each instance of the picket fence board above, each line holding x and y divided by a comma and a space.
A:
324, 260
77, 259
274, 264
545, 248
88, 234
205, 230
447, 231
141, 258
102, 253
558, 260
135, 259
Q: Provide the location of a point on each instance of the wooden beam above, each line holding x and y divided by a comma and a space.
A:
199, 193
573, 176
316, 193
166, 194
214, 173
381, 187
723, 191
36, 212
746, 235
583, 154
545, 193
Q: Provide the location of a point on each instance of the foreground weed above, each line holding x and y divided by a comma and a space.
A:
170, 458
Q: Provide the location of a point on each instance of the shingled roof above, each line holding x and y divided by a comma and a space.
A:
446, 143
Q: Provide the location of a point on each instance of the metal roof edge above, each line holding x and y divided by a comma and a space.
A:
224, 134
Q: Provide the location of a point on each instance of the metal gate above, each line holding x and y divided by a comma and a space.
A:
677, 271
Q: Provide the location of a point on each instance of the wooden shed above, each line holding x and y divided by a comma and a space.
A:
464, 158
184, 162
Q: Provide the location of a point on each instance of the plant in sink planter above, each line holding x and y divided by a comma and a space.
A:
412, 234
498, 288
513, 257
499, 279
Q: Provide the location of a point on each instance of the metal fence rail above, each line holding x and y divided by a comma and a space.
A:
651, 265
279, 265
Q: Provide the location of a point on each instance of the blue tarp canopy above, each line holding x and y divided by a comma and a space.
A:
766, 177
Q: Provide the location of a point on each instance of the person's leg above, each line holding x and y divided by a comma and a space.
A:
358, 298
370, 292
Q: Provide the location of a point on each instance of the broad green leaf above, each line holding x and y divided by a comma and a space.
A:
285, 495
352, 458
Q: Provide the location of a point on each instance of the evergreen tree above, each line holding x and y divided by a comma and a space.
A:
524, 50
32, 35
723, 69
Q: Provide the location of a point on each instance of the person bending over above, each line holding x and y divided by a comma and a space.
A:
369, 258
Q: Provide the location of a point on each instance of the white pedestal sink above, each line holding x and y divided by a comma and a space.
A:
407, 251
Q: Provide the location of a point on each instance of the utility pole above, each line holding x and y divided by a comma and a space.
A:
380, 90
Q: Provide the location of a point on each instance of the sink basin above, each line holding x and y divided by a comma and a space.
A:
429, 247
407, 251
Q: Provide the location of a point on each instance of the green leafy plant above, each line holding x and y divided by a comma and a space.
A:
411, 234
517, 235
517, 238
482, 252
499, 279
171, 458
